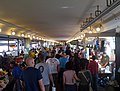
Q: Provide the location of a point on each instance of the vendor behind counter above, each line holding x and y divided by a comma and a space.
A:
104, 60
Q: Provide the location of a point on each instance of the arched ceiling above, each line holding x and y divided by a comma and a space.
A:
54, 19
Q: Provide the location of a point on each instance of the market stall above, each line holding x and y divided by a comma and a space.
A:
4, 80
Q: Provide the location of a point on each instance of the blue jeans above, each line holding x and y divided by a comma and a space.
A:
94, 82
17, 86
83, 87
70, 87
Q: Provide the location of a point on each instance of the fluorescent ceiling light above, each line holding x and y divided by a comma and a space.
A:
7, 41
66, 7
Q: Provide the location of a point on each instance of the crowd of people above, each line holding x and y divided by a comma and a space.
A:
64, 69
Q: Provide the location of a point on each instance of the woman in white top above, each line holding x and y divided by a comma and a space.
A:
69, 78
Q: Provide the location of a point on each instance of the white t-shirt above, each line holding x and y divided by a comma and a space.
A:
53, 63
45, 71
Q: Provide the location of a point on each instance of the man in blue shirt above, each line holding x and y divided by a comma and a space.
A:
32, 77
63, 60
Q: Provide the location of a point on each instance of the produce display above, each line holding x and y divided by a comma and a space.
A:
3, 79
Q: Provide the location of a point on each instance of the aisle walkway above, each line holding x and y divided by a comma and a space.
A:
58, 88
106, 89
99, 89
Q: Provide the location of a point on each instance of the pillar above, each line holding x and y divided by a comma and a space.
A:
27, 43
117, 54
18, 49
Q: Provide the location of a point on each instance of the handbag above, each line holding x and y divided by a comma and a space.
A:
53, 88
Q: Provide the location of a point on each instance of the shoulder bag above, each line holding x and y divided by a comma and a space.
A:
90, 88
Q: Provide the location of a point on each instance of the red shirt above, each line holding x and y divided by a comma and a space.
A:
93, 67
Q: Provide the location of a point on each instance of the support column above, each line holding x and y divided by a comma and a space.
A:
18, 46
117, 54
84, 44
27, 43
8, 43
77, 44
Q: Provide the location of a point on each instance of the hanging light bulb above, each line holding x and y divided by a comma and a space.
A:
33, 37
13, 33
86, 38
28, 35
91, 17
97, 12
82, 36
87, 20
37, 38
97, 29
22, 35
90, 31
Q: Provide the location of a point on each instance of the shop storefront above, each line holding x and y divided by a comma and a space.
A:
10, 45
